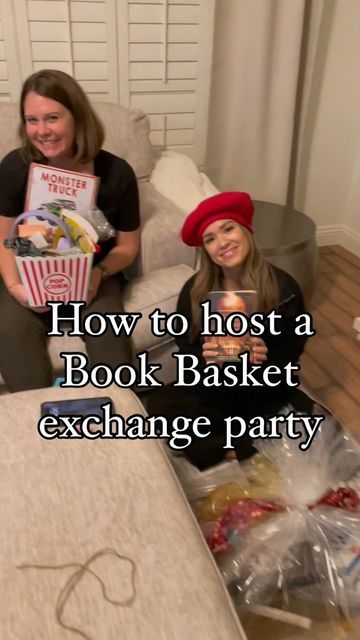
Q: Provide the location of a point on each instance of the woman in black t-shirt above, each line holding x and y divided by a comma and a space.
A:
59, 128
231, 261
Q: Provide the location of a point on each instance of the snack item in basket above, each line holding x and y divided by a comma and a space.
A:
22, 246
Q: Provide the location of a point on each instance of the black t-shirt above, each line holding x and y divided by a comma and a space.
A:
118, 195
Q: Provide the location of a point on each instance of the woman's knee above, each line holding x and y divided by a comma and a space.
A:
18, 323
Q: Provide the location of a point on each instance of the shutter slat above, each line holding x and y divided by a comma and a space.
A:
87, 51
154, 14
87, 11
91, 71
147, 14
154, 70
88, 32
163, 102
156, 86
183, 14
161, 2
154, 52
154, 33
48, 31
50, 51
173, 121
46, 10
95, 86
62, 66
179, 136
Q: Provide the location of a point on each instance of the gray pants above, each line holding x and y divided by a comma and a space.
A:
24, 358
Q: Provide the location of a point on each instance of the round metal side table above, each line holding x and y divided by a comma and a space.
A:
287, 239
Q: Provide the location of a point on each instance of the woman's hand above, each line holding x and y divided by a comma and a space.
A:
210, 350
17, 290
94, 284
259, 350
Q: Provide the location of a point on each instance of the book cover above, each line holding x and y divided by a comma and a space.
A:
50, 188
225, 303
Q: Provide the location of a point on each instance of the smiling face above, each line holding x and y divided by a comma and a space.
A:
50, 127
226, 244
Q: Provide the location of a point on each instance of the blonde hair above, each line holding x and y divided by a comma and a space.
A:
257, 274
59, 86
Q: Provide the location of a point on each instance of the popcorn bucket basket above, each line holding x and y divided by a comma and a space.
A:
53, 278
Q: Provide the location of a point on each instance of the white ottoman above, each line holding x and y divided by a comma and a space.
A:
64, 500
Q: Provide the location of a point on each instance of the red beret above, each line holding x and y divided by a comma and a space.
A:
234, 205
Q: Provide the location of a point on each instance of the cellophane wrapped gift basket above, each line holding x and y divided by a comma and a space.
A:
286, 535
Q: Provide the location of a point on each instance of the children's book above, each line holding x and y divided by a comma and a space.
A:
52, 189
225, 303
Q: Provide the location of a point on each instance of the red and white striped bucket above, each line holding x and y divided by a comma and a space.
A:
55, 279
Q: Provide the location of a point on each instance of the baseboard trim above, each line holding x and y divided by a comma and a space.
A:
339, 234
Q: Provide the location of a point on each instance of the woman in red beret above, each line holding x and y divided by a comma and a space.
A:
231, 261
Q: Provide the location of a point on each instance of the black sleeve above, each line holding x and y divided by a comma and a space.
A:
13, 180
130, 207
184, 342
288, 346
118, 195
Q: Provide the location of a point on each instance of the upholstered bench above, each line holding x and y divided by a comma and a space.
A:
62, 501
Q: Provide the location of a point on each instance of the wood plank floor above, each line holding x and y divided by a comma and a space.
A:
330, 366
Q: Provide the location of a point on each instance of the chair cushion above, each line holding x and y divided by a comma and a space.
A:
161, 246
127, 135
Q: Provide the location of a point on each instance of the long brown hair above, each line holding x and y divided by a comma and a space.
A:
257, 274
59, 86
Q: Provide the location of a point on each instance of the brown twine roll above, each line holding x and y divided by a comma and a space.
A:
75, 578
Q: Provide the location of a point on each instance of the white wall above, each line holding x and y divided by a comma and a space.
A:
253, 89
256, 53
328, 180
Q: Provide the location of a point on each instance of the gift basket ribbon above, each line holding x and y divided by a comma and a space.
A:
46, 215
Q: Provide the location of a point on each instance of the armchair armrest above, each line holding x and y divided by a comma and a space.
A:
161, 246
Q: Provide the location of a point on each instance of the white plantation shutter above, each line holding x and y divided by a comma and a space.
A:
152, 55
76, 36
168, 69
10, 74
